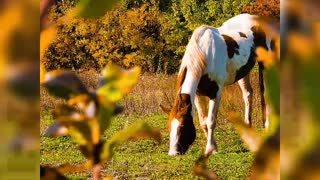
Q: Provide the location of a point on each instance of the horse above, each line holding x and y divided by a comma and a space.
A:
214, 58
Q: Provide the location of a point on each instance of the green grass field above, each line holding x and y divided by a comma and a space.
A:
144, 159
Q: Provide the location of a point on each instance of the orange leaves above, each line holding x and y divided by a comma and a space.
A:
46, 37
269, 8
267, 57
301, 45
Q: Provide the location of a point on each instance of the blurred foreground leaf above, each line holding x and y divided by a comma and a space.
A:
248, 135
64, 84
56, 129
266, 164
46, 37
86, 115
200, 169
49, 173
117, 82
71, 168
141, 130
273, 88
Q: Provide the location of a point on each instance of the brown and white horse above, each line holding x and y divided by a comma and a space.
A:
214, 58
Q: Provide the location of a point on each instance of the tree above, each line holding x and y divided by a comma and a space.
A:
150, 33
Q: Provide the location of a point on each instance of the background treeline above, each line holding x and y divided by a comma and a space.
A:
149, 33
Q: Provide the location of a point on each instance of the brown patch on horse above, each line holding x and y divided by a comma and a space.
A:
232, 45
181, 78
259, 37
207, 87
182, 108
262, 89
245, 69
243, 35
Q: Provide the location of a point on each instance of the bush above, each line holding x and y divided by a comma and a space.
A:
264, 8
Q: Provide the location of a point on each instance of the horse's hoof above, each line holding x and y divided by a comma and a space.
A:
211, 151
173, 153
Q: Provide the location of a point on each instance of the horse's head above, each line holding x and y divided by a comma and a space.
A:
180, 125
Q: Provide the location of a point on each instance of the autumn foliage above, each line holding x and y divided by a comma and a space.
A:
152, 34
264, 8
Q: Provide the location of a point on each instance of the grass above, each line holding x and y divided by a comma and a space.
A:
144, 159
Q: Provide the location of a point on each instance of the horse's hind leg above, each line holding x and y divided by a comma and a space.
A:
246, 89
214, 104
201, 105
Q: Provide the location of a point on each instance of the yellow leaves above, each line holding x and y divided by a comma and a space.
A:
132, 58
10, 19
267, 57
117, 82
42, 73
272, 29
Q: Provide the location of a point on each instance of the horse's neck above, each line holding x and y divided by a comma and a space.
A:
189, 86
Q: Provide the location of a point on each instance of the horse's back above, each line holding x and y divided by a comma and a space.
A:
240, 47
241, 21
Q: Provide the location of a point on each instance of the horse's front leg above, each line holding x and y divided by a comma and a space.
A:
201, 105
211, 147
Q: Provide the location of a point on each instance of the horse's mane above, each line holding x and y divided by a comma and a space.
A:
178, 98
194, 58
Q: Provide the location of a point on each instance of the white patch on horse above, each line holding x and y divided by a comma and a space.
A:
174, 137
240, 59
215, 49
241, 21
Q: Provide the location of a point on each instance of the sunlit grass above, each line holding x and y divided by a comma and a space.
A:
147, 159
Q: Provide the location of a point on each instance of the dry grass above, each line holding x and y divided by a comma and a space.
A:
154, 89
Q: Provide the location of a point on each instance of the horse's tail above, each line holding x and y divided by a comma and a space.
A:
194, 58
262, 89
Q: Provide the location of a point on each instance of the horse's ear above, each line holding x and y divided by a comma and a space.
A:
165, 109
